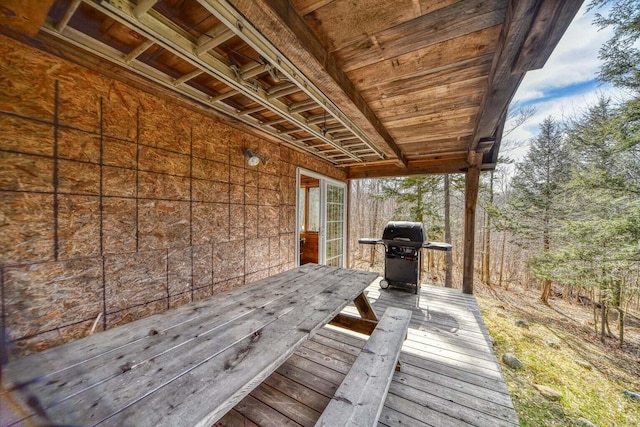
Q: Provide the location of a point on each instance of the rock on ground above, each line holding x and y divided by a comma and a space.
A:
584, 364
583, 422
512, 361
548, 392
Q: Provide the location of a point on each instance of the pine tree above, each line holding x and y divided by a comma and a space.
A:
418, 200
536, 201
621, 55
602, 231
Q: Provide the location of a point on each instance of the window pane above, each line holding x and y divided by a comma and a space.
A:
314, 209
301, 205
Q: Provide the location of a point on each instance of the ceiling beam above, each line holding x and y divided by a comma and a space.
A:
546, 31
382, 170
288, 32
531, 31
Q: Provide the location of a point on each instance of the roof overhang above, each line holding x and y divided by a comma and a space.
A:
375, 87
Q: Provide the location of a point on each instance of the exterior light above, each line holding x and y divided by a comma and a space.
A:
253, 158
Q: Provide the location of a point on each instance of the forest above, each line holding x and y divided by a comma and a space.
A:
565, 220
559, 227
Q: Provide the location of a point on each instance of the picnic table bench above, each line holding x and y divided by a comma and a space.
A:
189, 365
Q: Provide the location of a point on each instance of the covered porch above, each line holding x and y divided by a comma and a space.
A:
151, 157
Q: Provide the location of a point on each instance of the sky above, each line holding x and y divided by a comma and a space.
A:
567, 83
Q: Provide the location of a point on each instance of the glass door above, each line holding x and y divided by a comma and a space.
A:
334, 249
321, 219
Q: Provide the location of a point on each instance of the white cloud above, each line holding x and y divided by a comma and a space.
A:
561, 109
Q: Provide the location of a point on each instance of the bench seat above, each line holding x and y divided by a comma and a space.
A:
360, 398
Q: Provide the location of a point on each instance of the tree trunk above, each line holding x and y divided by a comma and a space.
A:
618, 303
595, 310
374, 222
603, 319
546, 289
621, 315
482, 248
504, 241
447, 232
487, 237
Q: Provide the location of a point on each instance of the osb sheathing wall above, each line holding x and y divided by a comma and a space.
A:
116, 204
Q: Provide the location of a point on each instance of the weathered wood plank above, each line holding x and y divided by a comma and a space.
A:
392, 418
442, 405
262, 414
79, 354
451, 22
364, 308
441, 376
234, 418
445, 166
421, 412
421, 96
298, 391
341, 23
328, 360
461, 114
452, 325
445, 106
308, 6
468, 70
427, 60
481, 404
457, 323
451, 127
304, 370
448, 367
358, 324
551, 22
360, 397
286, 405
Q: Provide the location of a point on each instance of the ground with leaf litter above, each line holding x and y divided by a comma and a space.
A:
559, 349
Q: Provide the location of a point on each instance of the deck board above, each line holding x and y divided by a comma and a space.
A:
449, 377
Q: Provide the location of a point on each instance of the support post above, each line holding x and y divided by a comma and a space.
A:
472, 181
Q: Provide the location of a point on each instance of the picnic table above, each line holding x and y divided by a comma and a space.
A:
186, 366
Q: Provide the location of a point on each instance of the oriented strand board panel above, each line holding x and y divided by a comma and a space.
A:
24, 16
116, 204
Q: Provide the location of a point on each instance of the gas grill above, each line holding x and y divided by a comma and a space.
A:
403, 242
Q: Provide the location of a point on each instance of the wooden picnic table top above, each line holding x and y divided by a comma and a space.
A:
186, 366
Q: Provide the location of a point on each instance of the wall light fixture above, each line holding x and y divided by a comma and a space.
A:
253, 158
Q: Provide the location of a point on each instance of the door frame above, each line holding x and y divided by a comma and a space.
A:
322, 234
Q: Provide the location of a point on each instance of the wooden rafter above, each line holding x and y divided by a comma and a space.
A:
288, 32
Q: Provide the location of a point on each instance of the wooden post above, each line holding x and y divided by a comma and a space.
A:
472, 181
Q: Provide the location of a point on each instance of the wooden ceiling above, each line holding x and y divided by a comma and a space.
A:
378, 87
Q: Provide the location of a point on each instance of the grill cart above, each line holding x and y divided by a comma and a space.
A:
403, 242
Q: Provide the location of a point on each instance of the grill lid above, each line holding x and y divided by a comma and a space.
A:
404, 233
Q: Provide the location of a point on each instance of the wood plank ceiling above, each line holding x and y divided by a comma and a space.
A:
378, 87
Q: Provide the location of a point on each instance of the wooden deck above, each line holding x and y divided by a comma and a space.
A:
449, 376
